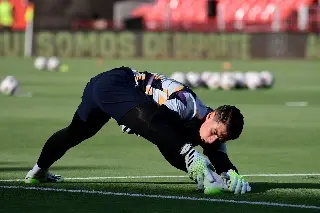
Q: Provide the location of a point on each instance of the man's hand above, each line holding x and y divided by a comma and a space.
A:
235, 182
201, 171
127, 130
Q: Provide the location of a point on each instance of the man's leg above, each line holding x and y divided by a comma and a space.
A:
61, 141
87, 121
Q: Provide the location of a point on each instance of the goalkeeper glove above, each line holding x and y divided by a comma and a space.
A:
202, 171
235, 182
127, 130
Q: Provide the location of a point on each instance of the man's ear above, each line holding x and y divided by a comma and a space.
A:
211, 115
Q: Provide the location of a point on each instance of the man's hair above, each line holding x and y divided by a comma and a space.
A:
232, 118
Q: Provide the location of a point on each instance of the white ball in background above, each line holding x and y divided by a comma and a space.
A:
267, 79
205, 77
214, 81
179, 76
53, 63
40, 63
240, 79
193, 79
253, 80
9, 85
227, 81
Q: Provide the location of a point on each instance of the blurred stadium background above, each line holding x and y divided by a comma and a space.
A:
53, 47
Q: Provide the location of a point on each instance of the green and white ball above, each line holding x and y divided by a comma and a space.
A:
214, 188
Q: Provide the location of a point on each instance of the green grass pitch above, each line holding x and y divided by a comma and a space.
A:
277, 139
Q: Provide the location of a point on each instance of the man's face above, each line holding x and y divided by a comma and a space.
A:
211, 130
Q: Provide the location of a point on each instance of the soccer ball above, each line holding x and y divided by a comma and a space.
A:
193, 79
253, 80
240, 79
53, 63
227, 81
213, 81
267, 79
216, 187
40, 63
9, 85
179, 76
205, 77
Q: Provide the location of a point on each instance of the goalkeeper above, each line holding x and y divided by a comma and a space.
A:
161, 110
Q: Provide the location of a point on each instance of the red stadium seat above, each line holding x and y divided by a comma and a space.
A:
187, 14
142, 10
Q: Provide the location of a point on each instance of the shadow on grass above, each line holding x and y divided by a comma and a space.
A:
265, 186
134, 182
7, 167
257, 187
2, 163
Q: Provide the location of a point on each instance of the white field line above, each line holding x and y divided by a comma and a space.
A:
171, 176
161, 197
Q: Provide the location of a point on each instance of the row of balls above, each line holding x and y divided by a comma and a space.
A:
47, 63
229, 80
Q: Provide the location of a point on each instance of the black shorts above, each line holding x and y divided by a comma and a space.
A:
113, 93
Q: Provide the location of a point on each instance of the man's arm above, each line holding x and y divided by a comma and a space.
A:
217, 154
160, 126
182, 106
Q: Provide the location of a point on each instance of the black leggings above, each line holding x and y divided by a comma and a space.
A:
64, 139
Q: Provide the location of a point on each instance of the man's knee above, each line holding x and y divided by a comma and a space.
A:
80, 130
74, 137
81, 133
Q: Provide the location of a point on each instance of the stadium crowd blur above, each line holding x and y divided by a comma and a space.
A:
163, 15
15, 14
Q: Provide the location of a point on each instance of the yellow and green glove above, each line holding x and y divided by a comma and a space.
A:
235, 183
202, 172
